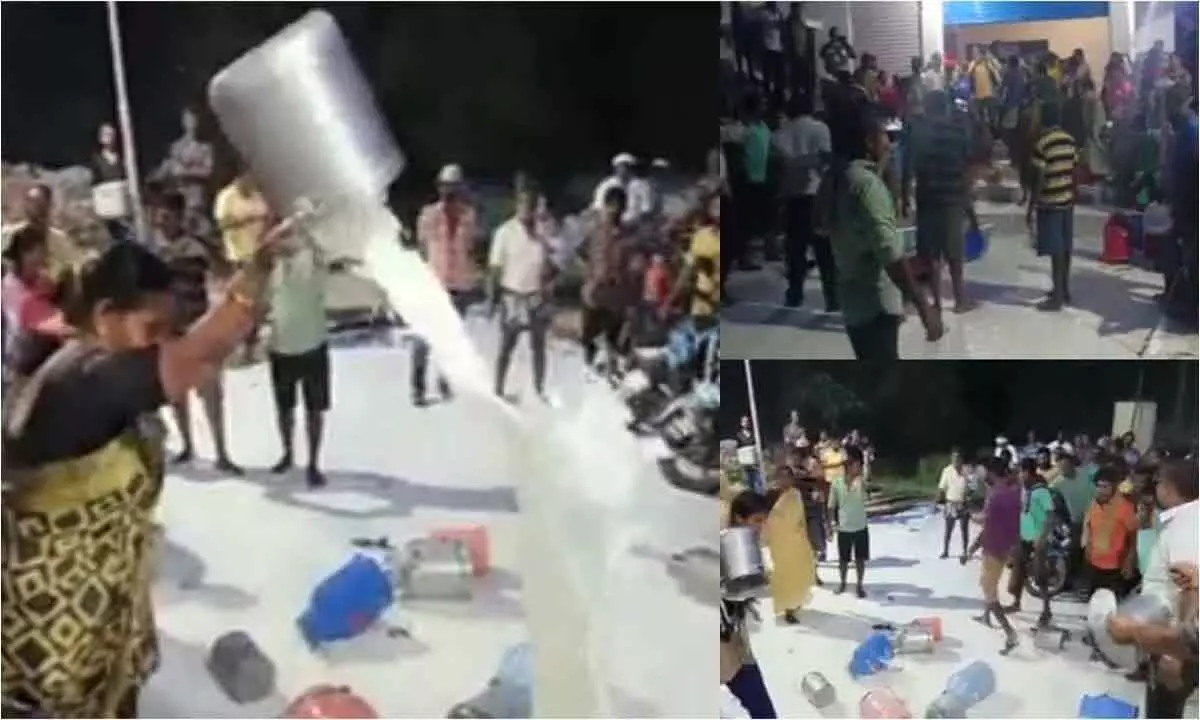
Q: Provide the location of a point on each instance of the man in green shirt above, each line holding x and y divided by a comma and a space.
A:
299, 352
1037, 520
848, 518
873, 276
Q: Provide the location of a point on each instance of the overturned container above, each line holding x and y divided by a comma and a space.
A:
300, 112
743, 568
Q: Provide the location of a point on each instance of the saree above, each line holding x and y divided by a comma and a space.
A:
78, 629
786, 536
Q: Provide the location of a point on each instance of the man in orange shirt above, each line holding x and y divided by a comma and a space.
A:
1110, 536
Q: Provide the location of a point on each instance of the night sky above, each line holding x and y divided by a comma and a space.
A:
595, 72
904, 399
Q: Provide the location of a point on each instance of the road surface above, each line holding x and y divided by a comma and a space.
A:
906, 580
245, 553
1114, 316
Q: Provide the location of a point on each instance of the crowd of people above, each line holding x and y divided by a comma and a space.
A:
1126, 522
108, 336
822, 167
1119, 519
817, 492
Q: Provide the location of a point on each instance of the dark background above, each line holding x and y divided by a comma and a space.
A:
911, 409
555, 89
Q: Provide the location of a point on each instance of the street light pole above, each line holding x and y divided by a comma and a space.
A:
125, 119
758, 445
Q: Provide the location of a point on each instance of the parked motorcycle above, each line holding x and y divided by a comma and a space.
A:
1055, 566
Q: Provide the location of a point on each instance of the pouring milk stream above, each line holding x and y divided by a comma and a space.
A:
299, 110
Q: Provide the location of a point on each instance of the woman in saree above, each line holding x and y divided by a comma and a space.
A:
83, 472
785, 533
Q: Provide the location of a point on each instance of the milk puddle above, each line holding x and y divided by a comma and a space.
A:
575, 493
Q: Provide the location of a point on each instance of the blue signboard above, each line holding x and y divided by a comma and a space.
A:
981, 12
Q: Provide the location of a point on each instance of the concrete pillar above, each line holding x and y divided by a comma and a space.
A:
1122, 26
933, 28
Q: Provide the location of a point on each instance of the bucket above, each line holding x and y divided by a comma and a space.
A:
818, 690
914, 640
975, 244
743, 568
110, 200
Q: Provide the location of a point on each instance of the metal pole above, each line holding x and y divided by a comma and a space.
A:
758, 446
125, 119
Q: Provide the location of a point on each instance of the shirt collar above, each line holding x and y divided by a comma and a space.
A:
1168, 515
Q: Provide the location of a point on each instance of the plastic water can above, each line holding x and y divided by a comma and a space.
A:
1106, 706
966, 688
347, 602
872, 655
882, 704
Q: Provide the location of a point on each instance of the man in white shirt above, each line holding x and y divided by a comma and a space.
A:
637, 194
803, 142
934, 76
952, 496
519, 269
1178, 544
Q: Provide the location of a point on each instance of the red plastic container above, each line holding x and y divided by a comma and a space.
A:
475, 537
933, 624
329, 701
882, 703
1116, 240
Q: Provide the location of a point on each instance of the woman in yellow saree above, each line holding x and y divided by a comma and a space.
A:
82, 476
785, 534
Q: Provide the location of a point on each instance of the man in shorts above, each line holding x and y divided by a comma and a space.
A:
1053, 198
848, 516
299, 351
1000, 536
938, 154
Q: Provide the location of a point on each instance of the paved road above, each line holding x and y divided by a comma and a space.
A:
1114, 317
245, 553
906, 580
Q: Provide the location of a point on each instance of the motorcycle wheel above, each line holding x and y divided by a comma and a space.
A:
1056, 581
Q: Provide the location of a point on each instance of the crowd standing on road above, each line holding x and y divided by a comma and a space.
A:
875, 151
108, 336
1066, 517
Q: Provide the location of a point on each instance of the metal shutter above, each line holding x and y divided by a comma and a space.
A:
891, 31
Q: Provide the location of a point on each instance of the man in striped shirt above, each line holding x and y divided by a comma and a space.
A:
1053, 197
937, 155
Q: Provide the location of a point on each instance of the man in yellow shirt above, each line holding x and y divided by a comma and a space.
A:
704, 266
242, 215
985, 75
